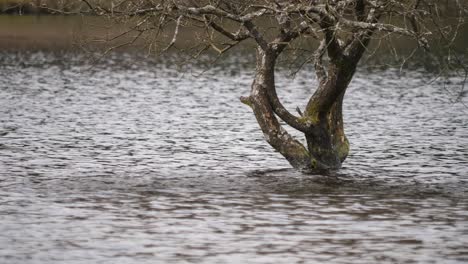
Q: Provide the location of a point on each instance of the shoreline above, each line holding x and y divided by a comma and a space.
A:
10, 7
28, 32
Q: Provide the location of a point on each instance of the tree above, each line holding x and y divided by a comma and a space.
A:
342, 31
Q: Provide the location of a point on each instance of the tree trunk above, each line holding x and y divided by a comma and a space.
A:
274, 133
327, 141
322, 123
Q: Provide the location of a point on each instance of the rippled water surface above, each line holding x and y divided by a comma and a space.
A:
131, 161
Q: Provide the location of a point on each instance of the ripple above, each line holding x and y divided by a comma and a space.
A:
131, 161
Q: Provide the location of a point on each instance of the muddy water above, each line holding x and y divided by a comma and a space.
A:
130, 161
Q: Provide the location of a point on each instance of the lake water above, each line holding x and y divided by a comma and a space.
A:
131, 161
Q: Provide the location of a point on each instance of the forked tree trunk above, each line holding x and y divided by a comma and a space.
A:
322, 123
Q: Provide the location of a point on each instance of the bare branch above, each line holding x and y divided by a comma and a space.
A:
318, 63
176, 33
255, 34
238, 36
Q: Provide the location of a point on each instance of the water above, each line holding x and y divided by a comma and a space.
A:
131, 161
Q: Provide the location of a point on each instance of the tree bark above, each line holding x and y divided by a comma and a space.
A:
327, 142
274, 133
322, 123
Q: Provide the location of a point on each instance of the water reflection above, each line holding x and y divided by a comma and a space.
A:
131, 162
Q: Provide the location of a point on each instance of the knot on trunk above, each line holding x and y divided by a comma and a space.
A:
247, 100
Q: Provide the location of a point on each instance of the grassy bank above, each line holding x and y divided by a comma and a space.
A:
38, 32
46, 7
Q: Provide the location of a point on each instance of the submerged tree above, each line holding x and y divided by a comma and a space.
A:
341, 29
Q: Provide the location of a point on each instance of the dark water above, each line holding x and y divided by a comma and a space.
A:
133, 162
